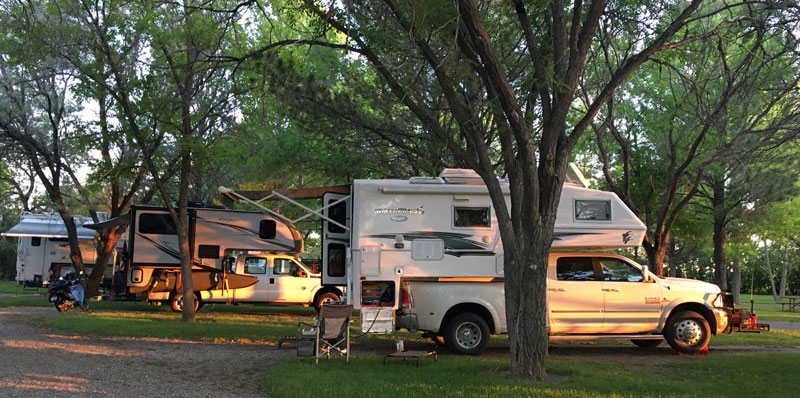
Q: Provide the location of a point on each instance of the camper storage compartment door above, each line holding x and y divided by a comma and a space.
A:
427, 249
371, 261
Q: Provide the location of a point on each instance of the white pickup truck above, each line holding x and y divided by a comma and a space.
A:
589, 296
282, 280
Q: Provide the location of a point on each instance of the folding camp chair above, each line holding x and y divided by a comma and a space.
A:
333, 330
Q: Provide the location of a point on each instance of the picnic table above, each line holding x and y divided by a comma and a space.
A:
793, 302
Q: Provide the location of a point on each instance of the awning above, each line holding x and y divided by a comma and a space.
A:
48, 225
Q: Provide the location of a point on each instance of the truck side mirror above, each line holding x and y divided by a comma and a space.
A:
645, 274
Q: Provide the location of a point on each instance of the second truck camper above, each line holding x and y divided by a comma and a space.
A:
238, 257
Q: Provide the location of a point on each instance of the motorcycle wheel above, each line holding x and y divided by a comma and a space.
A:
63, 306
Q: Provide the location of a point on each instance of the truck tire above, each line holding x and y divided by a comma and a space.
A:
687, 332
325, 297
176, 302
647, 343
466, 334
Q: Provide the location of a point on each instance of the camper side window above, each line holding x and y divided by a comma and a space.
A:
36, 241
471, 217
338, 213
575, 269
266, 229
255, 265
593, 210
155, 223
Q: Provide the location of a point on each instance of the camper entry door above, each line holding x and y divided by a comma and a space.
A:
335, 239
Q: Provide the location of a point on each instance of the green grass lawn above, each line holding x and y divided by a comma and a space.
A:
768, 310
11, 287
772, 375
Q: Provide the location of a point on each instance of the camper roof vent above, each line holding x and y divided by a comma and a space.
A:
425, 180
461, 176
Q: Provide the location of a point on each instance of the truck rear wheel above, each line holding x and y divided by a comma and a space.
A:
466, 334
176, 302
325, 297
687, 332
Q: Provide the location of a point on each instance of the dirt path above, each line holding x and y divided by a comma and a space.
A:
35, 362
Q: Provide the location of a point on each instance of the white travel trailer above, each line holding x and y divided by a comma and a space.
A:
43, 247
425, 254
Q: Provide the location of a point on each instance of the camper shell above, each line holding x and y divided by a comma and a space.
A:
43, 249
446, 227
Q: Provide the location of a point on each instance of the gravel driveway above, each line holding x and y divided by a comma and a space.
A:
36, 362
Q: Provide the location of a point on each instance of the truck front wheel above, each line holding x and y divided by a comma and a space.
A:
466, 334
687, 332
325, 297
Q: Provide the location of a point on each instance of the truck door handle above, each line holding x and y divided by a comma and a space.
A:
613, 289
271, 281
557, 289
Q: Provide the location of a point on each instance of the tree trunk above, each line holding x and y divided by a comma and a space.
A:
186, 87
187, 286
72, 232
720, 266
673, 262
105, 248
769, 272
784, 272
526, 312
656, 254
736, 283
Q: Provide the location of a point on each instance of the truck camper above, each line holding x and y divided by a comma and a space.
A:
425, 254
43, 250
231, 251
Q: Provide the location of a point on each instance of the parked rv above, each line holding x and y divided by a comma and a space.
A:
43, 249
238, 257
425, 254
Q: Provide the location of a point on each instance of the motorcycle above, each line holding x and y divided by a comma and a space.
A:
67, 292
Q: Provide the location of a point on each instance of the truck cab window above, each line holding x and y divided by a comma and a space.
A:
575, 269
615, 270
284, 266
36, 241
255, 265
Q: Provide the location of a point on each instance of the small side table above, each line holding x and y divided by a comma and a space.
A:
417, 355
